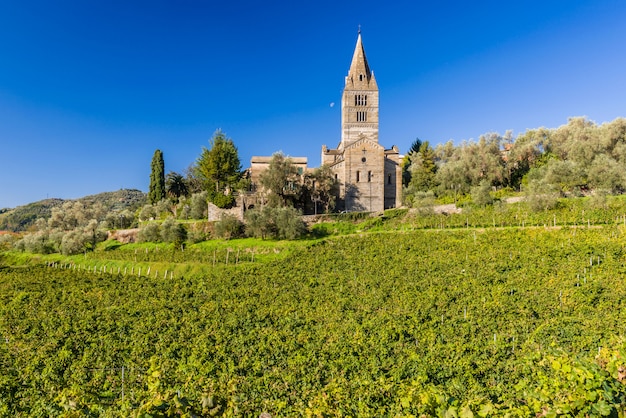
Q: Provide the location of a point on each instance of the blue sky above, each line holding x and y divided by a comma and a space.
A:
89, 89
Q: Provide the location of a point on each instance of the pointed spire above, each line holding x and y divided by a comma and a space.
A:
360, 73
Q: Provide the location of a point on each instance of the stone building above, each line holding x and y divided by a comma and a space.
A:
260, 164
369, 175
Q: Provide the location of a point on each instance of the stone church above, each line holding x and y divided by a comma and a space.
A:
369, 175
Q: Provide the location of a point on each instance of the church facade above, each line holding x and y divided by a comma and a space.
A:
369, 175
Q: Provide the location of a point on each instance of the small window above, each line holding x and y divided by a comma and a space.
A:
358, 176
369, 176
335, 177
360, 77
361, 116
388, 178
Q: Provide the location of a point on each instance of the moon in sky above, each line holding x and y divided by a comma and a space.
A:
332, 104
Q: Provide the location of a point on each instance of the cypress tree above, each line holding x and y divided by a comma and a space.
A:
157, 178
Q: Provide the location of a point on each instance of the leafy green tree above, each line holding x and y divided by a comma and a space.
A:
281, 182
606, 173
406, 161
524, 154
218, 169
176, 186
198, 205
228, 227
481, 195
415, 146
422, 168
275, 222
258, 223
541, 195
147, 212
150, 232
323, 188
157, 178
172, 231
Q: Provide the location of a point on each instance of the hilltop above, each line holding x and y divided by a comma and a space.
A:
22, 217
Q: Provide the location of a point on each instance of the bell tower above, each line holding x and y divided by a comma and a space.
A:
359, 103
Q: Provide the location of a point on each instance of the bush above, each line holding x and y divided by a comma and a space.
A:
147, 213
198, 205
200, 231
164, 208
282, 223
289, 224
6, 241
599, 199
424, 202
74, 242
223, 201
229, 227
38, 242
149, 233
480, 194
541, 196
258, 224
172, 231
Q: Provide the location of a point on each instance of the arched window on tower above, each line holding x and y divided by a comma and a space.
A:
360, 100
361, 116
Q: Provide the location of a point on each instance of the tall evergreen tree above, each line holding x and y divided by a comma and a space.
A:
218, 169
157, 178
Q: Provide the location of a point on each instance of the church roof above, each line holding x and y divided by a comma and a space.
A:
360, 74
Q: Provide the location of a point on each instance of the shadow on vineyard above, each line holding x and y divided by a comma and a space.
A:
465, 321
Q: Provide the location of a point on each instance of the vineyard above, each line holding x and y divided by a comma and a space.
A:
449, 321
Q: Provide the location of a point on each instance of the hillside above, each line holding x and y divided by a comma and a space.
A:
457, 322
22, 217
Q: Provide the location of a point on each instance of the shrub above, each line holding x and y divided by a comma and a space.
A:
38, 242
289, 224
282, 223
541, 196
257, 223
424, 202
74, 242
172, 231
147, 213
480, 194
198, 205
200, 231
149, 233
229, 227
6, 241
223, 201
